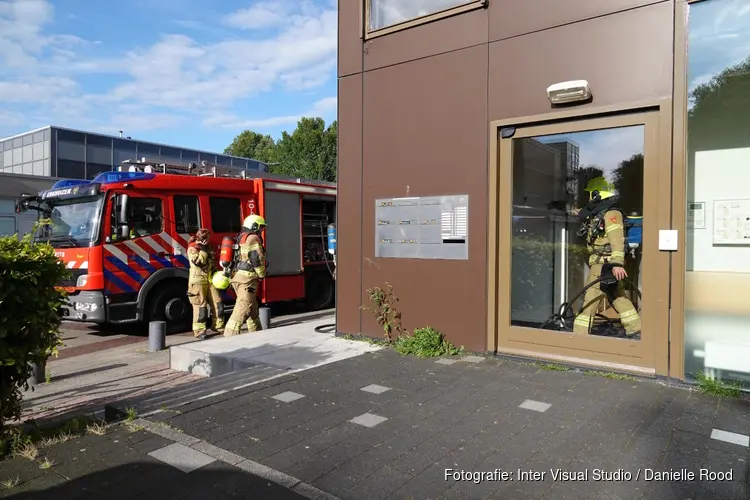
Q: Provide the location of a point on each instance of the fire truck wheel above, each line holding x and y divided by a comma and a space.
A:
320, 291
169, 303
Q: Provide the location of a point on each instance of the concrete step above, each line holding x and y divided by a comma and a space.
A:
289, 348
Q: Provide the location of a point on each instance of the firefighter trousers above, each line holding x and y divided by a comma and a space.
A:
245, 309
592, 304
203, 296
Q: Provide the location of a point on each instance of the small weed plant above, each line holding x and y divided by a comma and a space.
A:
708, 385
426, 343
384, 310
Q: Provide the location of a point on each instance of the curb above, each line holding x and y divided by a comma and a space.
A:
275, 476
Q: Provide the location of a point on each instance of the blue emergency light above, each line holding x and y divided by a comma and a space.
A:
65, 183
332, 238
112, 177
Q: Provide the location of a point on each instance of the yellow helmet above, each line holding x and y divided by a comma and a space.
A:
254, 223
601, 186
220, 280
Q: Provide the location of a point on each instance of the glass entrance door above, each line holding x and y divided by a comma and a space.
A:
579, 267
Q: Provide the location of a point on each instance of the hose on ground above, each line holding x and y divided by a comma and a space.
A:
327, 328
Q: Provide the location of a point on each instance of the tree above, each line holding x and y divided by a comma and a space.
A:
720, 116
249, 144
582, 176
309, 151
628, 181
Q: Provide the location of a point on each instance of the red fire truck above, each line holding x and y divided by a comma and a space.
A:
124, 236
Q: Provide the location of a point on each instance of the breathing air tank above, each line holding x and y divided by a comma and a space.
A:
332, 239
226, 254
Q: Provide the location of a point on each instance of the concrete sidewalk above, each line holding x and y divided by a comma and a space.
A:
382, 426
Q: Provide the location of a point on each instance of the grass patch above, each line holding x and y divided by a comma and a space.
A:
551, 367
26, 440
9, 484
707, 385
130, 414
610, 375
46, 464
426, 343
362, 338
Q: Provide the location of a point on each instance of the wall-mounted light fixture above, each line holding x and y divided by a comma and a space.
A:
569, 92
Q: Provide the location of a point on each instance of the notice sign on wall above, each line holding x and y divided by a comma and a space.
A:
731, 222
433, 227
696, 215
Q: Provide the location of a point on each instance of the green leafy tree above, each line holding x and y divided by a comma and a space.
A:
249, 144
29, 315
309, 151
628, 181
720, 116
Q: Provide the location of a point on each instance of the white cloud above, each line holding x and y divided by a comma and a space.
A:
178, 77
323, 108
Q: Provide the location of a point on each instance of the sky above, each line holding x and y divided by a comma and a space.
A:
191, 73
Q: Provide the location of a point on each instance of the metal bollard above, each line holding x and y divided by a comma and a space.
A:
38, 373
157, 336
265, 317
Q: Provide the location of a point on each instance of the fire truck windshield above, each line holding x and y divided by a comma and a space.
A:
74, 222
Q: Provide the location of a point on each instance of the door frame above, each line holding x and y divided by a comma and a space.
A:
656, 115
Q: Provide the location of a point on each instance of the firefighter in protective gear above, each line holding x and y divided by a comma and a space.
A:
201, 292
249, 270
604, 230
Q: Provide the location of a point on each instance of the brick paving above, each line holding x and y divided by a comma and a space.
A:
123, 464
386, 427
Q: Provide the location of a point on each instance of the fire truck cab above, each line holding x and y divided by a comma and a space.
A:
124, 237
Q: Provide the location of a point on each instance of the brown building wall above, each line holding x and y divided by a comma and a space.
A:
415, 122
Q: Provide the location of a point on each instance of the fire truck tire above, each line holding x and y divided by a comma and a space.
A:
168, 302
320, 291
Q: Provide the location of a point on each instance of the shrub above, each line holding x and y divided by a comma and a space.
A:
426, 343
29, 315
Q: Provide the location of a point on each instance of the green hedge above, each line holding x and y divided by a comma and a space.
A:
29, 315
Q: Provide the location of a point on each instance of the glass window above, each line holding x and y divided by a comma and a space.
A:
188, 155
226, 215
27, 140
7, 206
8, 158
28, 169
385, 13
145, 216
223, 160
556, 254
28, 153
187, 214
17, 169
39, 167
6, 146
208, 157
98, 140
149, 151
94, 169
17, 142
7, 226
717, 238
71, 136
98, 154
38, 137
47, 171
69, 169
17, 156
70, 150
47, 134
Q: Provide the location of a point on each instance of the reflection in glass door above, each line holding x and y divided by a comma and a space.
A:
576, 232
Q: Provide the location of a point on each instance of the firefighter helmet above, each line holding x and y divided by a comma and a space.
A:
220, 280
254, 223
600, 188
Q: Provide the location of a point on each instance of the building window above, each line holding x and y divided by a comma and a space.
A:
226, 215
17, 156
124, 150
717, 240
187, 214
148, 151
98, 154
188, 155
94, 169
145, 216
7, 226
208, 157
69, 169
68, 150
384, 14
550, 263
